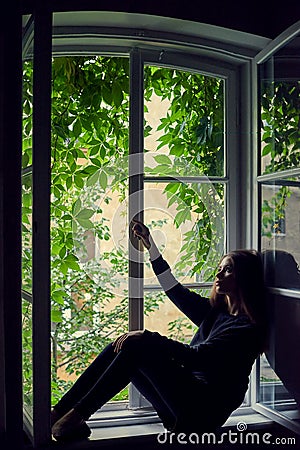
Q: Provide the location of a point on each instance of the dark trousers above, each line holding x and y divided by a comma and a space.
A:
181, 400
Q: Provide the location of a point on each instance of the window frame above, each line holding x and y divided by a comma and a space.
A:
169, 59
216, 58
258, 181
38, 38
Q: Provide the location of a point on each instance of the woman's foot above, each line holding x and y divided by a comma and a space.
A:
71, 427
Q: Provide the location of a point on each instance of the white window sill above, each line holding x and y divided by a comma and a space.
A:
117, 429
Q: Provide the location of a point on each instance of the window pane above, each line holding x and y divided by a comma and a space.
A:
90, 115
279, 380
280, 110
280, 232
184, 119
187, 224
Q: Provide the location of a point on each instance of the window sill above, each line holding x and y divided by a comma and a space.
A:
153, 426
137, 435
134, 435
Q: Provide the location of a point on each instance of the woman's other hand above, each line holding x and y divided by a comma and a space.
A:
119, 342
142, 232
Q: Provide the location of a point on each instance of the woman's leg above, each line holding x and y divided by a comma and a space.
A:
104, 382
146, 388
176, 394
86, 381
170, 388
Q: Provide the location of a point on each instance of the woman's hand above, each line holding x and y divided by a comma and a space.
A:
119, 342
142, 232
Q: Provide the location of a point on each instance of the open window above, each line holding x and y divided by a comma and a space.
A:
279, 194
121, 123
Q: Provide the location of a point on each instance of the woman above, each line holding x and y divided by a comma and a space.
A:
193, 387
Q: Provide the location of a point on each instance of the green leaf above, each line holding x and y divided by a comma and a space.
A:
208, 233
67, 217
25, 160
182, 216
56, 316
163, 159
85, 223
87, 123
102, 152
77, 128
117, 94
93, 179
95, 150
267, 149
96, 162
172, 187
177, 150
172, 200
198, 267
103, 179
58, 296
72, 264
107, 95
69, 182
62, 252
63, 268
89, 170
200, 208
78, 181
76, 207
85, 214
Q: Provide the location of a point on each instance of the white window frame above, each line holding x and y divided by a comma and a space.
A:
257, 182
204, 48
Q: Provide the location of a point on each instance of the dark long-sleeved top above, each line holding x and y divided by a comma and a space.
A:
224, 348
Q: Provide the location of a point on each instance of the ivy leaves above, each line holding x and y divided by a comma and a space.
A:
194, 125
280, 117
90, 134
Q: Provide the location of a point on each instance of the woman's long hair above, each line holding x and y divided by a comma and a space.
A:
249, 276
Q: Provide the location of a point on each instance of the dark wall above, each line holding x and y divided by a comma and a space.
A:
265, 18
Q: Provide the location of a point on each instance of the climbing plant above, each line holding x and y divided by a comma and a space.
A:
89, 144
280, 127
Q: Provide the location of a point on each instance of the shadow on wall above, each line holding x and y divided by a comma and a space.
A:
283, 349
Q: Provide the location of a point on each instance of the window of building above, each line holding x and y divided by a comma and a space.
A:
176, 180
279, 201
144, 124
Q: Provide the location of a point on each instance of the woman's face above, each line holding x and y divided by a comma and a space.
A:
225, 282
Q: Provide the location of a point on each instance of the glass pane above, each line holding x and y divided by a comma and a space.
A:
90, 116
187, 223
280, 232
27, 236
184, 120
280, 109
279, 366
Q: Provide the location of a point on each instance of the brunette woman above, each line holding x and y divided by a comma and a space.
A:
193, 387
